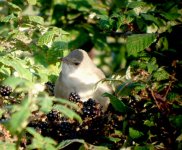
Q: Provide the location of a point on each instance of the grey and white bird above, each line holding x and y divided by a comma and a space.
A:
79, 74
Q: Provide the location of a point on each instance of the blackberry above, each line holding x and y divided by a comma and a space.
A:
44, 126
49, 88
54, 115
64, 127
5, 90
91, 108
74, 97
89, 103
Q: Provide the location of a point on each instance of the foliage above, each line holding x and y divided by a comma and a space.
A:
141, 38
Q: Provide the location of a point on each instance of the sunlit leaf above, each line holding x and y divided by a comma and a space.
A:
7, 18
6, 145
19, 119
46, 38
40, 142
138, 42
68, 112
135, 134
18, 65
35, 19
65, 143
135, 4
32, 2
161, 74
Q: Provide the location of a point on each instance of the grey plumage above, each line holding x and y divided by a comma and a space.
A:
79, 74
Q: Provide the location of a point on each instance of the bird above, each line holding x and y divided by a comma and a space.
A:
80, 75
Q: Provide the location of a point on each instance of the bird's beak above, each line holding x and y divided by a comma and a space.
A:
63, 59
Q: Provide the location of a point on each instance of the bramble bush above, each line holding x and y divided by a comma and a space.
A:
136, 43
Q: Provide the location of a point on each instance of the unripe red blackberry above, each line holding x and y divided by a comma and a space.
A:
5, 90
74, 97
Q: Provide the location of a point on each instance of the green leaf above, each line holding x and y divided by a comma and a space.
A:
18, 65
171, 16
7, 146
147, 147
40, 142
15, 81
14, 7
45, 104
33, 19
149, 123
161, 74
151, 18
138, 42
117, 104
68, 112
176, 121
46, 38
104, 22
135, 134
36, 19
65, 143
32, 2
8, 18
19, 119
135, 4
66, 102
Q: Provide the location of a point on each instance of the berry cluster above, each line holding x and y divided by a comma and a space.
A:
91, 108
60, 128
5, 90
74, 97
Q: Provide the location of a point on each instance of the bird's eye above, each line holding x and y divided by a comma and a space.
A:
76, 63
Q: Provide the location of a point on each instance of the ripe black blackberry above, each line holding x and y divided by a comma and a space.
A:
5, 90
49, 88
53, 115
44, 126
91, 108
74, 97
64, 128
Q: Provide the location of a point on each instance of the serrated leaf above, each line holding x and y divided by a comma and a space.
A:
161, 74
39, 141
135, 4
171, 16
15, 81
32, 2
8, 18
45, 104
18, 65
117, 103
59, 31
68, 112
34, 19
150, 18
65, 143
104, 22
14, 7
19, 119
46, 38
7, 146
135, 134
66, 102
149, 123
138, 42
